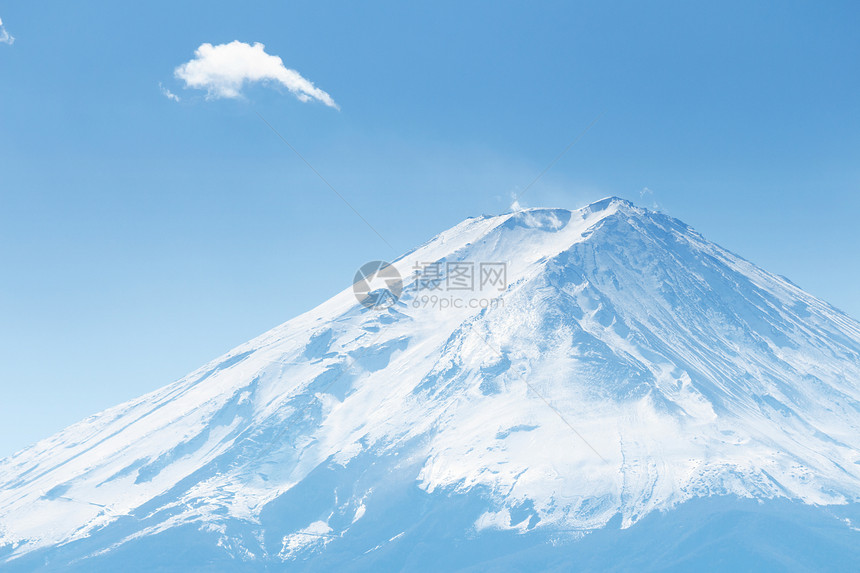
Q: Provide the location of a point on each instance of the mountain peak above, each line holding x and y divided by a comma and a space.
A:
594, 207
608, 202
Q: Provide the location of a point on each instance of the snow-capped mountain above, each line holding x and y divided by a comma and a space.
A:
625, 365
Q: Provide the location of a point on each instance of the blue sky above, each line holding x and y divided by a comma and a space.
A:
141, 237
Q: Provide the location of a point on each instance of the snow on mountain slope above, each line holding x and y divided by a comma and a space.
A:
629, 366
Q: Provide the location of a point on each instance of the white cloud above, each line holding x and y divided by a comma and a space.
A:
224, 69
5, 38
167, 93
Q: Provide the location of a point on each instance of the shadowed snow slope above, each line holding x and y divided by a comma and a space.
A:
629, 366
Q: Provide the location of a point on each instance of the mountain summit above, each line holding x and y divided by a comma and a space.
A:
545, 376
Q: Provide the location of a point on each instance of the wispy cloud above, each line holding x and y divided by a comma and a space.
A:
5, 38
223, 70
167, 93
